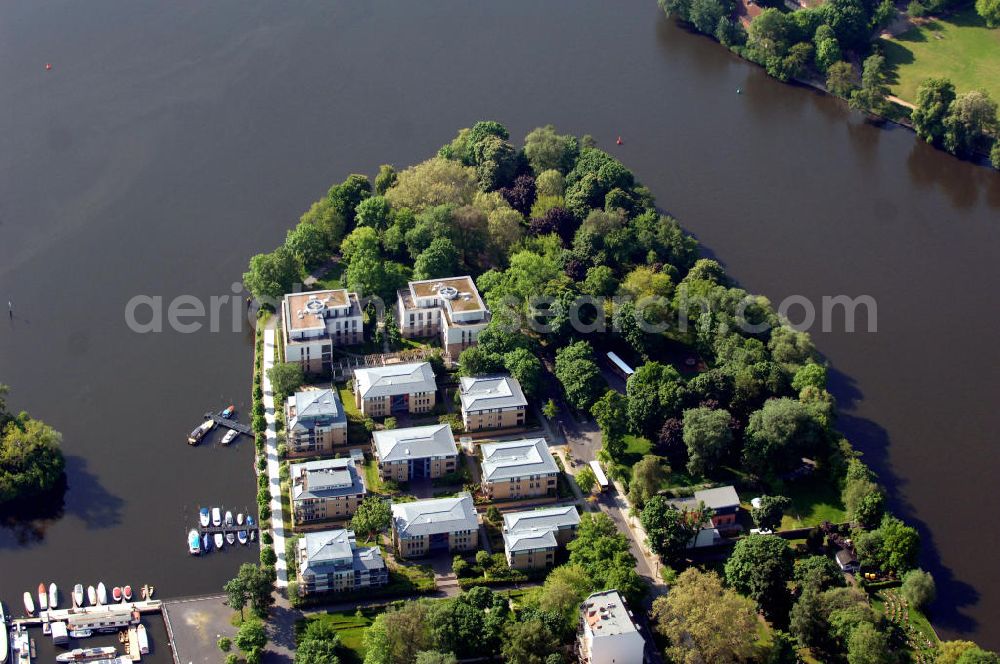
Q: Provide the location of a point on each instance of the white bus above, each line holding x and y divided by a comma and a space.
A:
602, 479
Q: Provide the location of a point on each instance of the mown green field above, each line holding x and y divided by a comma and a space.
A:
960, 48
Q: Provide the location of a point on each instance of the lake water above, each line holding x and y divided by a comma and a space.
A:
170, 141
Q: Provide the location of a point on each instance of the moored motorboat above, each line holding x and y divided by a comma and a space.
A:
53, 596
143, 638
230, 436
239, 519
116, 594
4, 646
206, 542
203, 517
102, 594
92, 595
242, 536
78, 595
81, 633
29, 604
229, 519
228, 411
43, 597
194, 542
216, 517
86, 654
253, 531
219, 540
230, 537
195, 437
127, 593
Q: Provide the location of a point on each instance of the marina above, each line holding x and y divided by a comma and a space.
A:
215, 531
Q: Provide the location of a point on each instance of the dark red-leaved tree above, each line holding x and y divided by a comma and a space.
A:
520, 194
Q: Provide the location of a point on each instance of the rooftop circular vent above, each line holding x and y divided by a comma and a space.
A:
448, 292
315, 306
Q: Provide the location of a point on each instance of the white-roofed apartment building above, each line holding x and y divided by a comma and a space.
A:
608, 632
314, 322
450, 307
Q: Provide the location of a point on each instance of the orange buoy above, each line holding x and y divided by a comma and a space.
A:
619, 141
48, 66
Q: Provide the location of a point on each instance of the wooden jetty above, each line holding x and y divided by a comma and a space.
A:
234, 529
130, 640
239, 427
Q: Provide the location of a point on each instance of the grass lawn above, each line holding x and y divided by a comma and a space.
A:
357, 435
372, 481
815, 499
350, 628
959, 47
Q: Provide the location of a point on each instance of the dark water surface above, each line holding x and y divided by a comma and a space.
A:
171, 141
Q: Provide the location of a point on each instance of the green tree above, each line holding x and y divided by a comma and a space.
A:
609, 411
769, 513
317, 644
990, 11
706, 14
550, 409
251, 635
253, 586
871, 96
286, 378
705, 622
972, 118
398, 635
918, 588
995, 155
436, 181
272, 275
385, 179
346, 196
372, 517
434, 657
707, 436
779, 435
579, 375
31, 459
308, 244
438, 260
550, 183
760, 568
818, 573
869, 646
977, 655
892, 547
525, 367
604, 553
648, 476
809, 375
325, 217
934, 99
840, 79
670, 529
528, 643
586, 479
547, 150
373, 212
827, 47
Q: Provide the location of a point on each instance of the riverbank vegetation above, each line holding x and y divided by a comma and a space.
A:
823, 44
725, 391
31, 459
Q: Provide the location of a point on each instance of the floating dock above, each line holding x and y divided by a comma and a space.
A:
228, 423
97, 614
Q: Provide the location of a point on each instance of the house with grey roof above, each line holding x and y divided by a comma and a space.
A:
532, 537
316, 422
325, 490
724, 503
491, 402
395, 388
518, 469
415, 452
437, 525
331, 561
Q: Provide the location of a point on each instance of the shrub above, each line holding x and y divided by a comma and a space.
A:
231, 658
916, 9
268, 556
918, 588
265, 538
225, 643
265, 512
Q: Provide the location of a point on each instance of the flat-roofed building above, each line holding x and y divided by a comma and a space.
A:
316, 422
325, 490
395, 388
437, 525
415, 452
518, 469
608, 632
450, 307
331, 561
531, 538
491, 402
314, 322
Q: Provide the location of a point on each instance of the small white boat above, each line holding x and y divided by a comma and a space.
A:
143, 638
229, 519
194, 542
216, 517
53, 596
239, 519
230, 538
81, 633
92, 595
102, 594
4, 646
78, 595
230, 436
203, 517
29, 604
200, 432
219, 540
43, 598
86, 654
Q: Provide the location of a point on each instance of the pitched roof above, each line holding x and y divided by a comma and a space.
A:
482, 392
313, 404
528, 539
549, 517
325, 479
435, 516
718, 498
394, 379
335, 548
434, 440
517, 458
